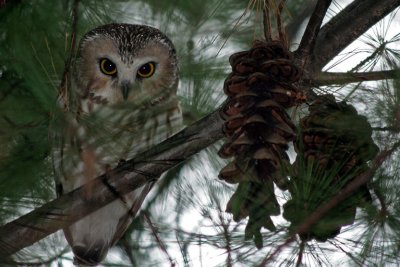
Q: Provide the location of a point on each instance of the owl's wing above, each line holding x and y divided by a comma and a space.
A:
63, 144
63, 130
66, 149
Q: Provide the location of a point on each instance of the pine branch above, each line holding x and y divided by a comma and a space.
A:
310, 35
362, 179
128, 176
347, 26
340, 78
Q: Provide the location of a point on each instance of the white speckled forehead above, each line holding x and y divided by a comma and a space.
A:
129, 39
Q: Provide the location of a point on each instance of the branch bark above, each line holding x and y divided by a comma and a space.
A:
125, 178
311, 33
347, 26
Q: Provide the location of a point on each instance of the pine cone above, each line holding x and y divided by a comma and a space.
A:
333, 147
258, 131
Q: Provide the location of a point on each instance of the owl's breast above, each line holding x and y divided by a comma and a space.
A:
113, 134
131, 134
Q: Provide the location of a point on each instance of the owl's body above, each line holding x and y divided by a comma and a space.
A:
125, 83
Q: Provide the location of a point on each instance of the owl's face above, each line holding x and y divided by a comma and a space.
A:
125, 63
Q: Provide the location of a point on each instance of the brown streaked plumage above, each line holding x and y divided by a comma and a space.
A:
125, 82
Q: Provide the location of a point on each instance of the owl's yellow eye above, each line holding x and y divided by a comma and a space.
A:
108, 67
146, 70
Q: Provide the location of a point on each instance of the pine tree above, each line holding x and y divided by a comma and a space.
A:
338, 202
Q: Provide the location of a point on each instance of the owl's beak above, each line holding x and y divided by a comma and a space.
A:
125, 88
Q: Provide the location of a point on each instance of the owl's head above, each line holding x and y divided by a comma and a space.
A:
123, 62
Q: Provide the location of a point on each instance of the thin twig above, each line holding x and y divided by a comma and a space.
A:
395, 129
309, 38
381, 199
281, 27
350, 255
267, 22
334, 201
158, 239
249, 7
301, 252
340, 78
225, 228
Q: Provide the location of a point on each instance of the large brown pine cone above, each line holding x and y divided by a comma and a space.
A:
258, 130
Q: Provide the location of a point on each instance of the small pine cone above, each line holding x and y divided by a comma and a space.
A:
333, 147
336, 129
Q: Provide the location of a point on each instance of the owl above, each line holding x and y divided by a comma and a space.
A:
124, 87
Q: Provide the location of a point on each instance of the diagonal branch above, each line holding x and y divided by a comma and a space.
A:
314, 24
341, 78
125, 178
362, 179
347, 26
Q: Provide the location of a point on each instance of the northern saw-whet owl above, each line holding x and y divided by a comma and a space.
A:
125, 81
